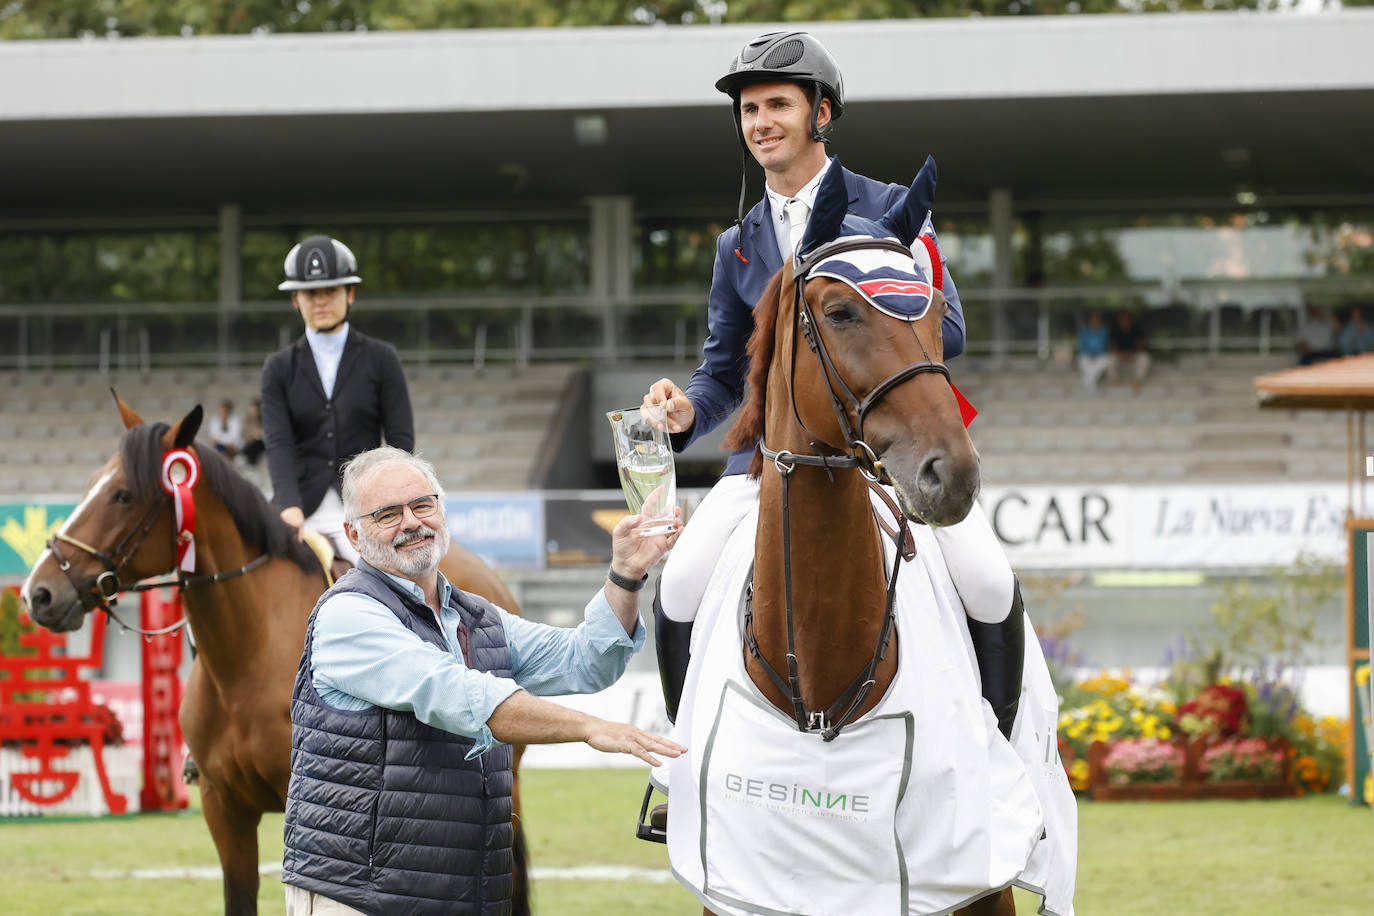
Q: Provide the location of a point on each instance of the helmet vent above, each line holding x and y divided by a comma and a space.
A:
784, 55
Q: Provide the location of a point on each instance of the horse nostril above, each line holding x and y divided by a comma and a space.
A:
928, 478
39, 601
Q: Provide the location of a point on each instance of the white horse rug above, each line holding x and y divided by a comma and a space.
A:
915, 809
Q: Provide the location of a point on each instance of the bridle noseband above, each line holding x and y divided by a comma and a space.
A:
861, 456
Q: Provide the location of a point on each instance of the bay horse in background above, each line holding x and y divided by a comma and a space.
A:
844, 394
249, 623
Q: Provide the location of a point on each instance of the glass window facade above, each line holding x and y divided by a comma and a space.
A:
79, 267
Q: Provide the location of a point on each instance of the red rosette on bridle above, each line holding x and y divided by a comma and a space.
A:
180, 472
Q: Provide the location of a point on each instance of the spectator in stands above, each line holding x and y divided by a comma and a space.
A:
253, 446
1094, 346
1128, 350
1357, 337
409, 695
1317, 339
226, 430
330, 395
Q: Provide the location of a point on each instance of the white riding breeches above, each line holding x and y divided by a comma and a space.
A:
697, 551
328, 520
977, 564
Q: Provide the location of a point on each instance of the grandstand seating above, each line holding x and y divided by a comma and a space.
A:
483, 430
1195, 421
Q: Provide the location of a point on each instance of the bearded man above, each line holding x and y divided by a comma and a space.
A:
408, 697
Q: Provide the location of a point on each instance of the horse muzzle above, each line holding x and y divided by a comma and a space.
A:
936, 488
60, 610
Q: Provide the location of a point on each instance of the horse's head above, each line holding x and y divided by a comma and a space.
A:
121, 532
847, 355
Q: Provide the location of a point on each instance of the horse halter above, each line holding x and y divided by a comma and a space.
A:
802, 315
108, 586
830, 721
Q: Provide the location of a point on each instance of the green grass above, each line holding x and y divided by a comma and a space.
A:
1304, 856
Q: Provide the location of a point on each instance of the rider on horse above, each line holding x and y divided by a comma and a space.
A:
786, 90
330, 395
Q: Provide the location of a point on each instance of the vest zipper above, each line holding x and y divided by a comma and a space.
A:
376, 804
482, 859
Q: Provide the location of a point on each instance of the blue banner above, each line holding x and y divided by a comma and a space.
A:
504, 529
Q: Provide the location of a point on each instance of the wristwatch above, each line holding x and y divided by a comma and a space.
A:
630, 585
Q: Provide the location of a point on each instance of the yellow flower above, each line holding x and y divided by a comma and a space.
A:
1362, 676
1078, 774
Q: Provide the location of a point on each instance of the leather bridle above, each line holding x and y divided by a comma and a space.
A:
830, 721
108, 587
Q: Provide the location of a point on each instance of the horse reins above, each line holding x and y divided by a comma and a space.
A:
830, 721
110, 588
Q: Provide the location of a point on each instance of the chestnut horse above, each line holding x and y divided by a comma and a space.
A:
844, 394
248, 623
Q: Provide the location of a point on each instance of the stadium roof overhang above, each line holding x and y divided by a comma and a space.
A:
1101, 111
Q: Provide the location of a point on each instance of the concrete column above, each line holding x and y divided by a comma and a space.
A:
612, 234
1003, 270
230, 274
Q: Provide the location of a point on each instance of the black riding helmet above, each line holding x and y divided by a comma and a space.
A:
793, 56
320, 261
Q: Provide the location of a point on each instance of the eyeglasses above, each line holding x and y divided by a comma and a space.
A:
420, 507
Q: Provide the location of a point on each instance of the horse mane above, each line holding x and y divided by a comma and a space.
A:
258, 523
748, 429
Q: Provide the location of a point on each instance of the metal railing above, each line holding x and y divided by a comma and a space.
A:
1201, 317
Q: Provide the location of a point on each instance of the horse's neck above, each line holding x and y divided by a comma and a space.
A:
241, 623
838, 582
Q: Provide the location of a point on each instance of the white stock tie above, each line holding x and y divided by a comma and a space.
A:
795, 213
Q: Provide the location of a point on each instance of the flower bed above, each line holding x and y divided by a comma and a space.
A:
1119, 740
1153, 770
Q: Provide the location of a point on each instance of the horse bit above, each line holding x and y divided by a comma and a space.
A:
861, 456
108, 588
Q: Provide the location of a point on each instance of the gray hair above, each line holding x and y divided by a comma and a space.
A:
364, 464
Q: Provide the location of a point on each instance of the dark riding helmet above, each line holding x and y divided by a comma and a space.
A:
320, 261
793, 56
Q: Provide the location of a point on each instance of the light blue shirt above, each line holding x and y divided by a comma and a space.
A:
1092, 341
328, 352
363, 656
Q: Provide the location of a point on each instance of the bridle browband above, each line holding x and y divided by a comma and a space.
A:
861, 457
108, 586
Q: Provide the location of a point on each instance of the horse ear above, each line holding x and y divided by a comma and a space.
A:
184, 433
908, 216
832, 202
126, 413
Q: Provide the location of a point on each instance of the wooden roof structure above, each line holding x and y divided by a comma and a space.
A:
1345, 384
1338, 384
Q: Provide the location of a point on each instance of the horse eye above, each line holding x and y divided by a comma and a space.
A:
123, 497
839, 314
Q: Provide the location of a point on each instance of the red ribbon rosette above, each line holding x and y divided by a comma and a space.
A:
180, 471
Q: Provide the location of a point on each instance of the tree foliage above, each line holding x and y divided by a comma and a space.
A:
128, 18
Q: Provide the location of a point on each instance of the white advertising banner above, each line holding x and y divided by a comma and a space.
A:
1194, 527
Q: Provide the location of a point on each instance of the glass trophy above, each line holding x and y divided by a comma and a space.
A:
644, 458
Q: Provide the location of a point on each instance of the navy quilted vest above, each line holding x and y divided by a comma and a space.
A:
383, 812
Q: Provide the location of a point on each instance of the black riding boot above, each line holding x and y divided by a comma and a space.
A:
1001, 652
